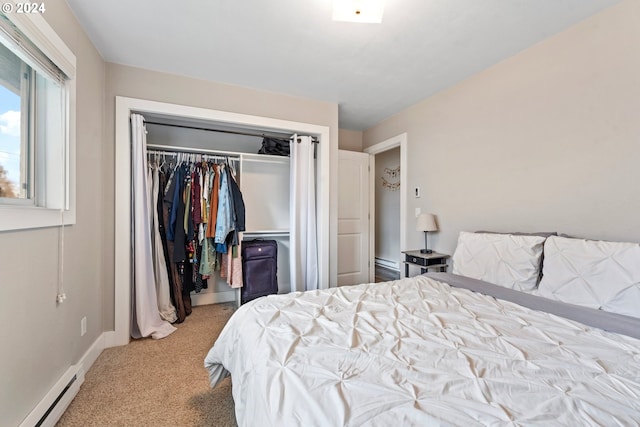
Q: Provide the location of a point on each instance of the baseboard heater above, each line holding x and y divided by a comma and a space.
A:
52, 406
55, 402
386, 263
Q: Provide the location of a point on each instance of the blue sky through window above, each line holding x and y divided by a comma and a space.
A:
10, 134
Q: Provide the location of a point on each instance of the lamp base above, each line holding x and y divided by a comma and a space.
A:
426, 245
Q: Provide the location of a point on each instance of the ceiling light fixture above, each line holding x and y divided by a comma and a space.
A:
365, 11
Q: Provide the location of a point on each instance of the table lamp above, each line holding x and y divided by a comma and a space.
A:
426, 222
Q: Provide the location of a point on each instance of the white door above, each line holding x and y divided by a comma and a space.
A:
353, 218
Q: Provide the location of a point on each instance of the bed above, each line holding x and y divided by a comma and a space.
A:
437, 349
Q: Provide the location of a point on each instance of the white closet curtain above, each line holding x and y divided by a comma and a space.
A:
145, 318
303, 234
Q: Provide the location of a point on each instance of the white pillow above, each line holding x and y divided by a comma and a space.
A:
508, 260
592, 273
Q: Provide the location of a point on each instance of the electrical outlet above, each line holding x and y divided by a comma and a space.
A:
416, 192
418, 212
83, 326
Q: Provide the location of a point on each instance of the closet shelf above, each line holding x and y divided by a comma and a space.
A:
267, 158
253, 157
266, 233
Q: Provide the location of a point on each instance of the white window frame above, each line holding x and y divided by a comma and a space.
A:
18, 216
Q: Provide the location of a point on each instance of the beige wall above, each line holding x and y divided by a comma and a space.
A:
350, 140
40, 339
547, 140
138, 83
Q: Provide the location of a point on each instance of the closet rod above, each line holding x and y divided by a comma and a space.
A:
175, 149
200, 155
263, 134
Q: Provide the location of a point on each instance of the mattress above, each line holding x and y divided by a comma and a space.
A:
418, 352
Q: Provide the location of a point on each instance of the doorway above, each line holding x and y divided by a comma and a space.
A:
387, 215
388, 201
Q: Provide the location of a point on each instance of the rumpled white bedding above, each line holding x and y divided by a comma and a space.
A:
416, 352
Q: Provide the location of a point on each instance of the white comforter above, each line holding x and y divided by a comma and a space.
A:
416, 352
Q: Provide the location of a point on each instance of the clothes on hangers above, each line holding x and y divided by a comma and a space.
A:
203, 213
165, 306
238, 205
214, 197
175, 287
224, 221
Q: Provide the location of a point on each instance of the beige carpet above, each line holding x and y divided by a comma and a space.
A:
158, 382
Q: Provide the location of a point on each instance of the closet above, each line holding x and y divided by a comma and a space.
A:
264, 181
252, 170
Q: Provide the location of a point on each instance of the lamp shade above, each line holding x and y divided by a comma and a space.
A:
426, 222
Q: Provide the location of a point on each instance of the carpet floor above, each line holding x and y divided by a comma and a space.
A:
157, 382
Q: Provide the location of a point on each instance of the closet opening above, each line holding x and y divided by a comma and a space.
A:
180, 129
263, 180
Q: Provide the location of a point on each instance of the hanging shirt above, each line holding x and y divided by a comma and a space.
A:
196, 197
213, 201
232, 237
207, 260
204, 194
188, 218
238, 204
234, 260
180, 235
224, 221
172, 195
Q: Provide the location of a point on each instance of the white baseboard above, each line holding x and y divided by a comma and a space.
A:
205, 298
92, 354
78, 370
114, 339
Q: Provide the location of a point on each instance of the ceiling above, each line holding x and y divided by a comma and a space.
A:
293, 47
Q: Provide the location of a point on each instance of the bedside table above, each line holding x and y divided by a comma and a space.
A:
424, 261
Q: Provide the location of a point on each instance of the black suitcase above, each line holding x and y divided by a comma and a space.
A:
259, 269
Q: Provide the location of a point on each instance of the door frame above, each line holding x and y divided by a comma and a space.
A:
381, 147
122, 260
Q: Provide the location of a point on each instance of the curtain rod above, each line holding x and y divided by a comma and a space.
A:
260, 135
215, 130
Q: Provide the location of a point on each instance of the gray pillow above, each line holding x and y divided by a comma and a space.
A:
520, 233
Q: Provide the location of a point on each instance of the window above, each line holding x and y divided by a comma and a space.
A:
15, 142
37, 97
